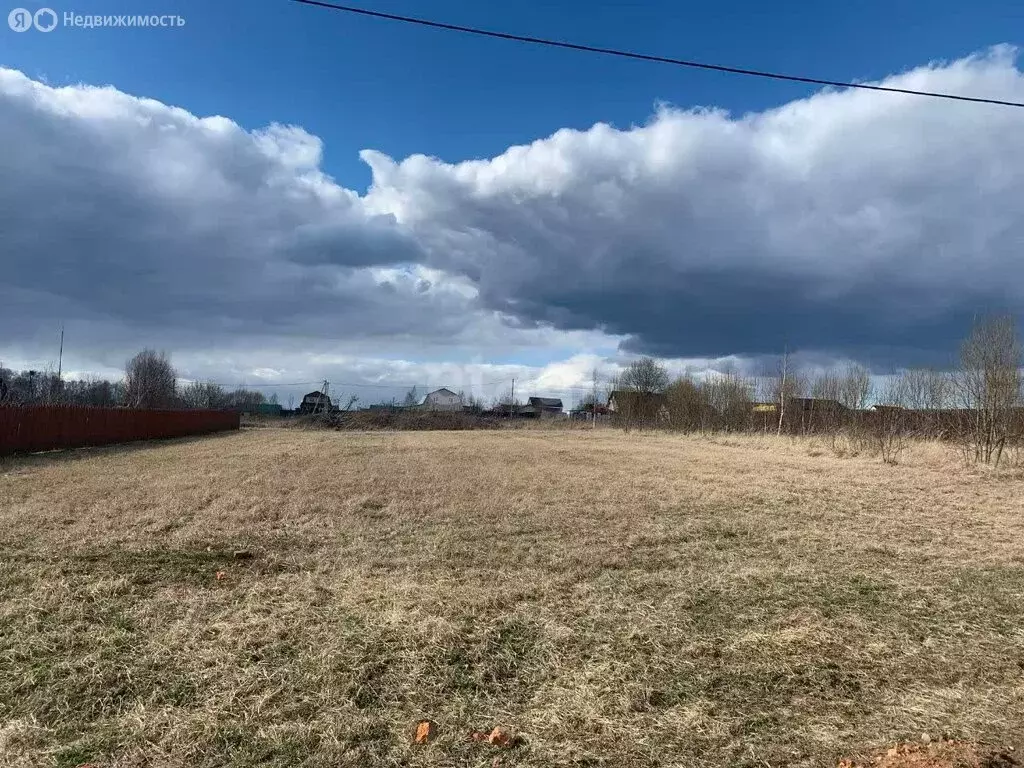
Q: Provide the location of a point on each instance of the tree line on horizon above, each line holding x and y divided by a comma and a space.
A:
977, 404
150, 381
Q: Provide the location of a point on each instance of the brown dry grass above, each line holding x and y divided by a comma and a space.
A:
614, 600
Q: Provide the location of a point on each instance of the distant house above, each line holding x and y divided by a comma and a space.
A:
545, 407
442, 400
316, 402
764, 407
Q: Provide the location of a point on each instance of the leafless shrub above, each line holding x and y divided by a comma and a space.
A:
987, 387
687, 405
889, 422
720, 402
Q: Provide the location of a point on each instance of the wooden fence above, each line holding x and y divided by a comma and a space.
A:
42, 428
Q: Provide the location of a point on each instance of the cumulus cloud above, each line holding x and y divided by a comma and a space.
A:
124, 208
849, 222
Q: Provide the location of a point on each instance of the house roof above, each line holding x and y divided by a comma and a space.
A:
441, 391
547, 402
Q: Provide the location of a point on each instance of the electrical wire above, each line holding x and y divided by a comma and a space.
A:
649, 57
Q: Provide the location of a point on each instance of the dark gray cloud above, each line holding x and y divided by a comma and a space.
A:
148, 215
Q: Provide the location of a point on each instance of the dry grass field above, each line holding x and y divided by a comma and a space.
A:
610, 599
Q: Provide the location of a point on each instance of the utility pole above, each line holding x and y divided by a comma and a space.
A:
512, 400
60, 358
323, 400
593, 401
55, 386
782, 388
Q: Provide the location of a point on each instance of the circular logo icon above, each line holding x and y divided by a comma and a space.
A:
45, 19
20, 20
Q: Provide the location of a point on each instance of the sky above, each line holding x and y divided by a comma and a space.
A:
277, 194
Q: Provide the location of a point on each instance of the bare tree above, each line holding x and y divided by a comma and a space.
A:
926, 391
914, 382
506, 399
35, 387
788, 384
855, 387
988, 386
640, 398
646, 376
200, 394
826, 386
590, 402
411, 398
850, 387
6, 376
472, 402
149, 381
728, 398
243, 398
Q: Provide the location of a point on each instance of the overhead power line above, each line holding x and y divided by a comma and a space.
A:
648, 57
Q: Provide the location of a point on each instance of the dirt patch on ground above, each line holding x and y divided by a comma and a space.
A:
939, 754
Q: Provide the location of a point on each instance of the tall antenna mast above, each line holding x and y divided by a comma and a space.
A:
60, 358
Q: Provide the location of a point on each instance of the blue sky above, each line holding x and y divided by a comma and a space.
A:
844, 225
359, 83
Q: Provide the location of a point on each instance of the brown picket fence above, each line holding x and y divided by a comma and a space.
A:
24, 429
